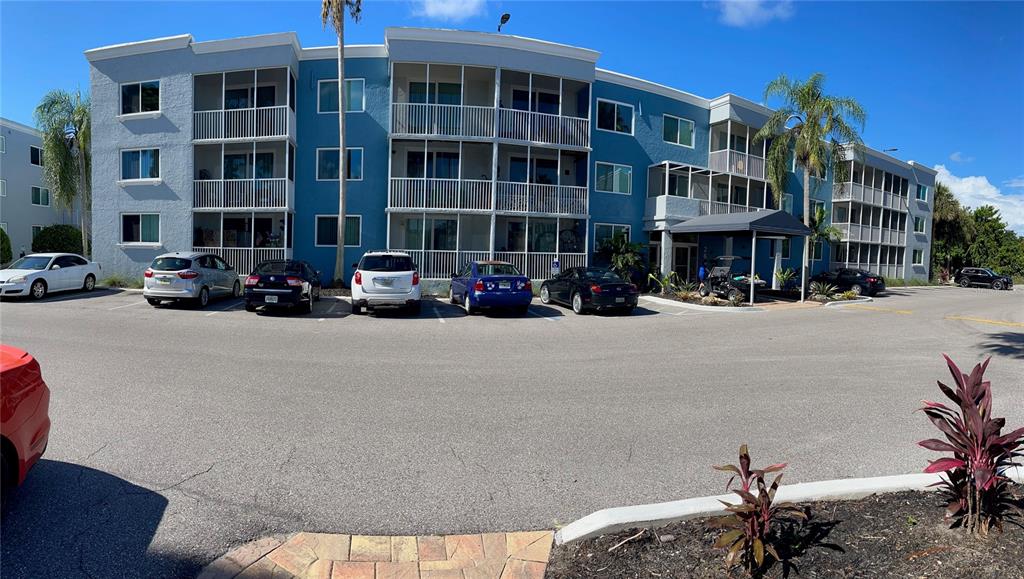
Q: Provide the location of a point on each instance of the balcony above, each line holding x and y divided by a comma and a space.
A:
244, 105
453, 194
245, 259
855, 232
534, 127
440, 264
737, 163
250, 123
243, 194
868, 195
515, 197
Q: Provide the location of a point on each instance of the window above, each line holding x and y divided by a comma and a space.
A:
922, 193
787, 203
782, 248
327, 230
35, 231
612, 178
605, 231
3, 144
41, 196
678, 130
615, 117
816, 250
3, 188
327, 164
815, 205
918, 225
35, 155
140, 97
140, 164
918, 257
140, 228
355, 96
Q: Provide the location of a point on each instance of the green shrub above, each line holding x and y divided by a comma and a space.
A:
822, 291
58, 238
848, 295
122, 281
6, 255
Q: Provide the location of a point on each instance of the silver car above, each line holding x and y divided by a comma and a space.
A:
194, 276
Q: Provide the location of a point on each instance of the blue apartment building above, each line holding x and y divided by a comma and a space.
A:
460, 146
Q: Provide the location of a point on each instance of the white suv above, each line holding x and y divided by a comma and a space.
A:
385, 279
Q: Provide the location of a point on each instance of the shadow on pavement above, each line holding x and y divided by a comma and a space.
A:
66, 296
1009, 344
72, 521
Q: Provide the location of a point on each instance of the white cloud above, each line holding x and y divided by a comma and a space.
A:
1015, 183
449, 10
752, 13
976, 191
959, 157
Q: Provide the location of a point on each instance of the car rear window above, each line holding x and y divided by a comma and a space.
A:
171, 263
386, 263
272, 267
601, 275
497, 269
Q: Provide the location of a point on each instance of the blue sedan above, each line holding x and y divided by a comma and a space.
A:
491, 284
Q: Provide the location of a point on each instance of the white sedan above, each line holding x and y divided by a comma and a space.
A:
41, 273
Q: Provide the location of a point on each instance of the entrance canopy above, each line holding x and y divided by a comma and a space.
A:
768, 221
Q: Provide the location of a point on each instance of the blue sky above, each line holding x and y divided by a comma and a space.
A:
942, 81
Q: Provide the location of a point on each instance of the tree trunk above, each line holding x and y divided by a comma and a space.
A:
80, 161
339, 260
807, 240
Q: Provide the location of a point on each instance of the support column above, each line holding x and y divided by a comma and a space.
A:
753, 264
667, 252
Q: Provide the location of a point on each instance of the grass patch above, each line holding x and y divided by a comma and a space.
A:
899, 282
122, 282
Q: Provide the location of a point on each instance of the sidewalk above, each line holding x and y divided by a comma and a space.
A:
521, 555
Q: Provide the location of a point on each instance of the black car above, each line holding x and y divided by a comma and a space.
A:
282, 283
590, 288
969, 276
859, 281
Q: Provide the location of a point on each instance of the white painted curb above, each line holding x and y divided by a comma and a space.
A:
723, 309
659, 514
848, 302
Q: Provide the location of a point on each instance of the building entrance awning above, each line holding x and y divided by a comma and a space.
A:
767, 221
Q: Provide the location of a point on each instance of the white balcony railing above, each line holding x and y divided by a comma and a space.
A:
441, 264
415, 193
868, 195
242, 194
721, 207
737, 163
540, 198
517, 125
538, 265
245, 259
442, 120
250, 123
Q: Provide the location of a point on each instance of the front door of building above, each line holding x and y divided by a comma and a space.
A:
684, 261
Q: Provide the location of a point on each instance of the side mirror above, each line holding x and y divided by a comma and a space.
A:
231, 267
55, 267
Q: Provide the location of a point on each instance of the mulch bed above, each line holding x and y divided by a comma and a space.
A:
333, 291
891, 535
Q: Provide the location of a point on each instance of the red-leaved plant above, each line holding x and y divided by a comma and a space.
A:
975, 483
749, 533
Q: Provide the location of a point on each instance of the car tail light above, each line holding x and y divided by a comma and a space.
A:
415, 278
632, 287
359, 278
479, 285
595, 288
188, 274
149, 272
528, 285
872, 279
252, 280
295, 281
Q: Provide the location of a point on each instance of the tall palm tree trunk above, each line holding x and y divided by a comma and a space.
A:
807, 239
339, 260
84, 203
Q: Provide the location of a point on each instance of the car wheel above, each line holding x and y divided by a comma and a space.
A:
577, 303
964, 282
704, 292
856, 289
470, 310
316, 297
998, 285
250, 307
545, 295
204, 297
735, 295
90, 283
308, 309
451, 295
38, 289
153, 302
236, 290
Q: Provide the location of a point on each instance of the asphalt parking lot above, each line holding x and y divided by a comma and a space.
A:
178, 433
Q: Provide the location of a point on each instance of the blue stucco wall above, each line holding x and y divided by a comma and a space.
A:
368, 197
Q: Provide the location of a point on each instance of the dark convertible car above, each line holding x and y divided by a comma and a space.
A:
590, 288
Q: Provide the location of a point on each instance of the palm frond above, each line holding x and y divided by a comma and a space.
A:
333, 12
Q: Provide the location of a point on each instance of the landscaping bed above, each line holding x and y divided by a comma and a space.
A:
889, 535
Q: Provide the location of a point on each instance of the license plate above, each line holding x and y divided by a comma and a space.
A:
270, 299
163, 281
504, 284
620, 300
385, 281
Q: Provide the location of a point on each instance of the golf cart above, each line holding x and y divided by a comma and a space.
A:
722, 281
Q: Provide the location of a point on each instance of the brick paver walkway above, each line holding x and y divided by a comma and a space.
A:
522, 555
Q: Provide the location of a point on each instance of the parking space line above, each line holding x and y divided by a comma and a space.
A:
437, 313
533, 313
878, 309
987, 321
225, 309
126, 305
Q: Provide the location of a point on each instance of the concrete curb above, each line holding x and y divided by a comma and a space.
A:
236, 560
120, 289
659, 514
723, 309
848, 302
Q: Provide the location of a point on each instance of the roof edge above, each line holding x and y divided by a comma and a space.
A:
490, 39
248, 42
20, 127
650, 86
139, 47
730, 98
351, 51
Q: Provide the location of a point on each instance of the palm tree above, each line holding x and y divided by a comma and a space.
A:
333, 11
952, 232
821, 229
63, 119
823, 127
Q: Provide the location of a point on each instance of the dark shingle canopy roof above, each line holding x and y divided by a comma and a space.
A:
772, 221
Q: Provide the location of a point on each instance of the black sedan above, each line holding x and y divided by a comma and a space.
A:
858, 281
969, 276
590, 288
282, 283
